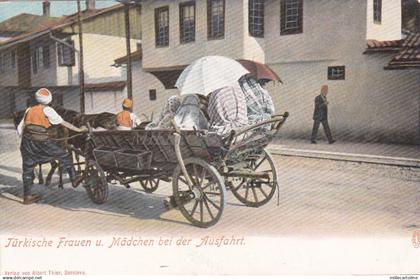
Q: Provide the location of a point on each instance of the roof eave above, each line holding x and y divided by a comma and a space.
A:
13, 42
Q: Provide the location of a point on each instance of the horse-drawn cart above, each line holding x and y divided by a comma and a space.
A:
200, 165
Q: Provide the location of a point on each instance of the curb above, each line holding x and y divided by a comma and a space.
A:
361, 158
7, 125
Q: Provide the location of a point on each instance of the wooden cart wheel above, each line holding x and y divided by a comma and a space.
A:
149, 185
202, 204
95, 182
255, 192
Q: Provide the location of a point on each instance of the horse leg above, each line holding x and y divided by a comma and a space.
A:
54, 165
78, 161
40, 176
60, 177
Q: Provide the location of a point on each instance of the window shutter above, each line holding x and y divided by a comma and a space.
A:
13, 59
60, 54
72, 54
34, 61
46, 56
282, 16
66, 55
300, 29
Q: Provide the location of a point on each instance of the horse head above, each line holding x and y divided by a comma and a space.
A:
106, 120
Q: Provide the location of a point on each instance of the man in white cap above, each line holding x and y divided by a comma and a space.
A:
36, 147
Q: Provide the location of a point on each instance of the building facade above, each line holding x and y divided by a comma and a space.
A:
308, 43
48, 56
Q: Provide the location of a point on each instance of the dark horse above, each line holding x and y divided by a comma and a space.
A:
103, 120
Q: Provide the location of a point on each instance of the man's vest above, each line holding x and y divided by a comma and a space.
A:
124, 119
36, 116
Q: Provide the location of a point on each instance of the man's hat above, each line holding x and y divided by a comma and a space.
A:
127, 103
43, 96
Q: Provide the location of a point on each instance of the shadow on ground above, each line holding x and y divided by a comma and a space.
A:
121, 202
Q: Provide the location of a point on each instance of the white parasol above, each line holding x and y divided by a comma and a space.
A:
208, 74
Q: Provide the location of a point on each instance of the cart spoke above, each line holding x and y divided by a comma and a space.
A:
194, 208
246, 192
263, 192
212, 193
266, 183
201, 211
255, 194
240, 185
183, 180
195, 176
212, 202
203, 175
208, 185
208, 208
258, 165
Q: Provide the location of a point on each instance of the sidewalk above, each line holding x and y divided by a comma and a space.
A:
388, 154
8, 123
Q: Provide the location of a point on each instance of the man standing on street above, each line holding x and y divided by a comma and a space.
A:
321, 116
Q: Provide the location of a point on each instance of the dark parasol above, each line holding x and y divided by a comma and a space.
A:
259, 70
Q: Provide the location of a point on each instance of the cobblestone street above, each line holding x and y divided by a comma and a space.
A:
327, 209
317, 198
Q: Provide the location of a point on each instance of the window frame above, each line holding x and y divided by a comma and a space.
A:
157, 13
377, 11
37, 59
13, 59
210, 36
283, 21
182, 5
46, 60
251, 31
334, 76
34, 62
60, 53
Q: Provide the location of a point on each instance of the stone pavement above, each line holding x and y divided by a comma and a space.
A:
9, 140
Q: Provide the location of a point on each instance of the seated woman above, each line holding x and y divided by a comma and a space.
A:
227, 110
259, 104
167, 115
190, 114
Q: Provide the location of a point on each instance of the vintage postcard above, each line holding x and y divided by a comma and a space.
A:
209, 137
